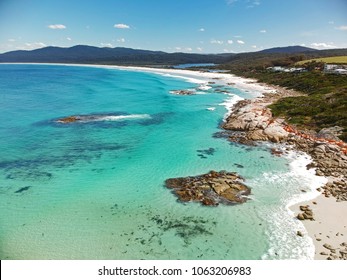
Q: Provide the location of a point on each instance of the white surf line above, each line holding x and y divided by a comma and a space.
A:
231, 80
197, 77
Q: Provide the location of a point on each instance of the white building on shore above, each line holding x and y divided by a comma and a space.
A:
335, 69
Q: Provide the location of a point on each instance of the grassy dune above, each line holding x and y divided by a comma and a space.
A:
331, 60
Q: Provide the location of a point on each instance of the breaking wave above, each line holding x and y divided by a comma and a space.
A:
100, 118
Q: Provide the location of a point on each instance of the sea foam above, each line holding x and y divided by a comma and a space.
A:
229, 103
283, 227
122, 117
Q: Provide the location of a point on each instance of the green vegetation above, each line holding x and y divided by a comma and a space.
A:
324, 105
331, 60
324, 100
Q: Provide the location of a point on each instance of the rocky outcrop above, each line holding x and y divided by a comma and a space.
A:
332, 133
69, 119
183, 92
211, 188
252, 120
329, 161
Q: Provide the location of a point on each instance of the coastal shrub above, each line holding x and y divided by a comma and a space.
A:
315, 111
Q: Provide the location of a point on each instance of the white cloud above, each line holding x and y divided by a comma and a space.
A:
230, 42
342, 28
253, 4
213, 41
202, 29
254, 46
106, 45
11, 40
237, 36
199, 49
230, 2
121, 26
323, 45
121, 40
178, 48
68, 38
240, 42
32, 46
249, 3
189, 49
331, 22
262, 31
57, 26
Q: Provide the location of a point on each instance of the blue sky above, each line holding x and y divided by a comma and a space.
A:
199, 26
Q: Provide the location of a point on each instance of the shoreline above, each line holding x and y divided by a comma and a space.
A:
251, 121
328, 231
198, 77
252, 116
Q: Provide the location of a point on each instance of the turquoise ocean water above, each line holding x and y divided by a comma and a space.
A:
95, 189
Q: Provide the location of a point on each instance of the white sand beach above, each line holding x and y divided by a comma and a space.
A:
249, 85
329, 226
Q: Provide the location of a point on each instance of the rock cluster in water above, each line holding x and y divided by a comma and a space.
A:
69, 119
211, 188
183, 92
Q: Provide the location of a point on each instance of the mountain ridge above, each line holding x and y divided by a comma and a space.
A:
289, 49
128, 56
91, 54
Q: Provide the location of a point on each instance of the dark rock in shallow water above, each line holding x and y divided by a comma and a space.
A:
211, 188
209, 151
70, 119
22, 189
183, 92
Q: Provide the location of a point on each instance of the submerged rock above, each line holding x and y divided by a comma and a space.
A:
183, 92
211, 188
117, 116
22, 189
69, 119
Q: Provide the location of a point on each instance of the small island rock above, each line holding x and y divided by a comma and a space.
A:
210, 189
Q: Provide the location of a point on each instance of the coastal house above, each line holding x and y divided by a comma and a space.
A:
287, 70
276, 69
340, 71
335, 69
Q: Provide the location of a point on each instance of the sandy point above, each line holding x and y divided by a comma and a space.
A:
328, 230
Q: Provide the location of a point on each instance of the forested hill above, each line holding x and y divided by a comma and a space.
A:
291, 49
241, 62
89, 54
127, 56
